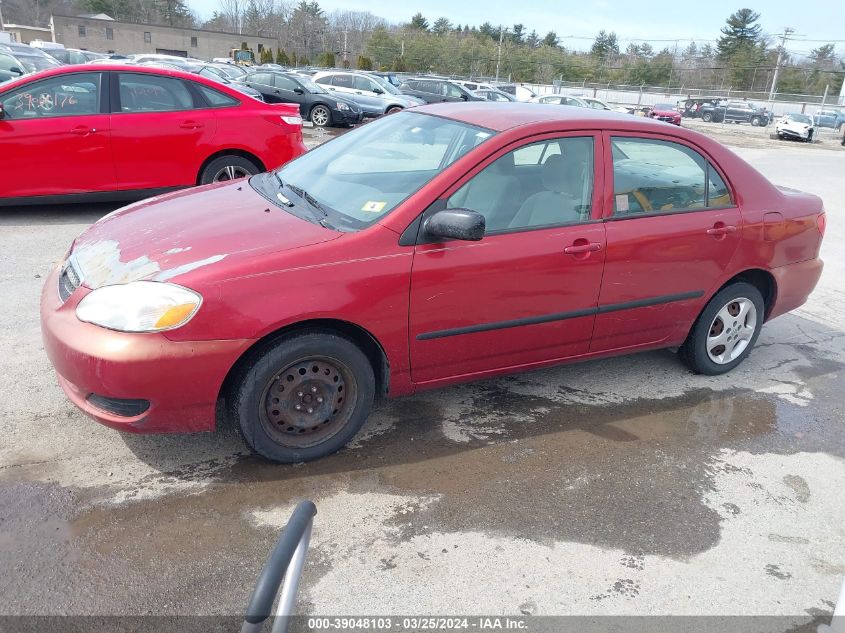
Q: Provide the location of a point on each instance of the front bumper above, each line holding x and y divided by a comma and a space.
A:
347, 117
795, 133
181, 380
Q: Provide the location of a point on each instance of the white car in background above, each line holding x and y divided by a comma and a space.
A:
795, 126
558, 99
598, 104
522, 93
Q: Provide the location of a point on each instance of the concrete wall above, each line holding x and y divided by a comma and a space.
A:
128, 37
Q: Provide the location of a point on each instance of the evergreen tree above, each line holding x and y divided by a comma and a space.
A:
419, 23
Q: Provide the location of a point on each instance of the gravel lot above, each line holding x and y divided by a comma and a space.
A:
625, 486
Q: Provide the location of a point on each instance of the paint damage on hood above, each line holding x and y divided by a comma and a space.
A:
171, 236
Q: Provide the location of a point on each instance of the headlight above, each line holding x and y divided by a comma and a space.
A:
139, 306
342, 106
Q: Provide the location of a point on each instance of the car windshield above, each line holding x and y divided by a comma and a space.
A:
388, 87
310, 86
799, 118
356, 179
231, 71
33, 63
664, 106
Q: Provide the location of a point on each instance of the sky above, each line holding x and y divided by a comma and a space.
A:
822, 20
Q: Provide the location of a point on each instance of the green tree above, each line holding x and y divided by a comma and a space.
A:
741, 33
364, 63
517, 34
441, 26
282, 58
533, 40
605, 46
326, 59
399, 65
266, 56
551, 39
418, 22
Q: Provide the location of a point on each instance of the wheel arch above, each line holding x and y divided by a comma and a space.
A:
761, 279
232, 151
363, 338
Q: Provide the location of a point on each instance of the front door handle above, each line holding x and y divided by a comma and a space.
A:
191, 125
582, 246
721, 229
82, 130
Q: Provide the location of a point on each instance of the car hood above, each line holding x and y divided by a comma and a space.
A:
167, 237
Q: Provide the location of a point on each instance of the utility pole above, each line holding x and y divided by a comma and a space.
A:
784, 36
499, 51
345, 49
1, 15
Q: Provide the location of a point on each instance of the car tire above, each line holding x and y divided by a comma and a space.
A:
225, 168
303, 396
707, 117
725, 331
394, 109
320, 116
756, 121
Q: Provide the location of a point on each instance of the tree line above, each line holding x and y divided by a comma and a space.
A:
742, 57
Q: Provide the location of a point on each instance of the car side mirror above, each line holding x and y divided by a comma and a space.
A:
2, 112
378, 91
464, 97
15, 70
299, 91
456, 224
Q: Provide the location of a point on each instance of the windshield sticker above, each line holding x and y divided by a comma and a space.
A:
374, 207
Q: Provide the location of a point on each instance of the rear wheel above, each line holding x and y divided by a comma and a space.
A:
320, 116
725, 331
225, 168
303, 397
756, 121
707, 117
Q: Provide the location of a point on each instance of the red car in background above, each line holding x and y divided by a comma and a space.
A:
113, 132
448, 243
665, 112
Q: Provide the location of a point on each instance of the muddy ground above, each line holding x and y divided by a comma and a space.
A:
624, 486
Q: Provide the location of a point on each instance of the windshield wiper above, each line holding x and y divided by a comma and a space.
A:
312, 201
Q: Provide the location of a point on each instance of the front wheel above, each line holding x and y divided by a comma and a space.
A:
320, 116
303, 397
725, 331
707, 117
756, 121
393, 109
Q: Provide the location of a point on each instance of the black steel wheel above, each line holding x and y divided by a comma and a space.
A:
303, 396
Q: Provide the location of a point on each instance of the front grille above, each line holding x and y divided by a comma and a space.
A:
69, 280
666, 118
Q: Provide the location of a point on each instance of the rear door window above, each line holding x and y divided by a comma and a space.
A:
343, 81
152, 93
654, 176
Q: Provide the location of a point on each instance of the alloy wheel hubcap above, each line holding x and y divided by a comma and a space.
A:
230, 172
731, 331
308, 402
319, 116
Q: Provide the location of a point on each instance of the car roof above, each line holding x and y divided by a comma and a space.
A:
504, 116
99, 68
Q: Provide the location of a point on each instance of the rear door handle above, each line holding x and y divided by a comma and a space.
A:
191, 125
82, 130
720, 228
589, 247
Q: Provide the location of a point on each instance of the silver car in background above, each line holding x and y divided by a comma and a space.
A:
375, 96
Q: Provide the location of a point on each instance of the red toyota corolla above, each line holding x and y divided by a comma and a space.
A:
446, 244
117, 132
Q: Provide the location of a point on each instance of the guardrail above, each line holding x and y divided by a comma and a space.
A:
284, 563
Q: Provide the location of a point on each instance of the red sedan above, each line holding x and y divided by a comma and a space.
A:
116, 132
665, 112
435, 246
